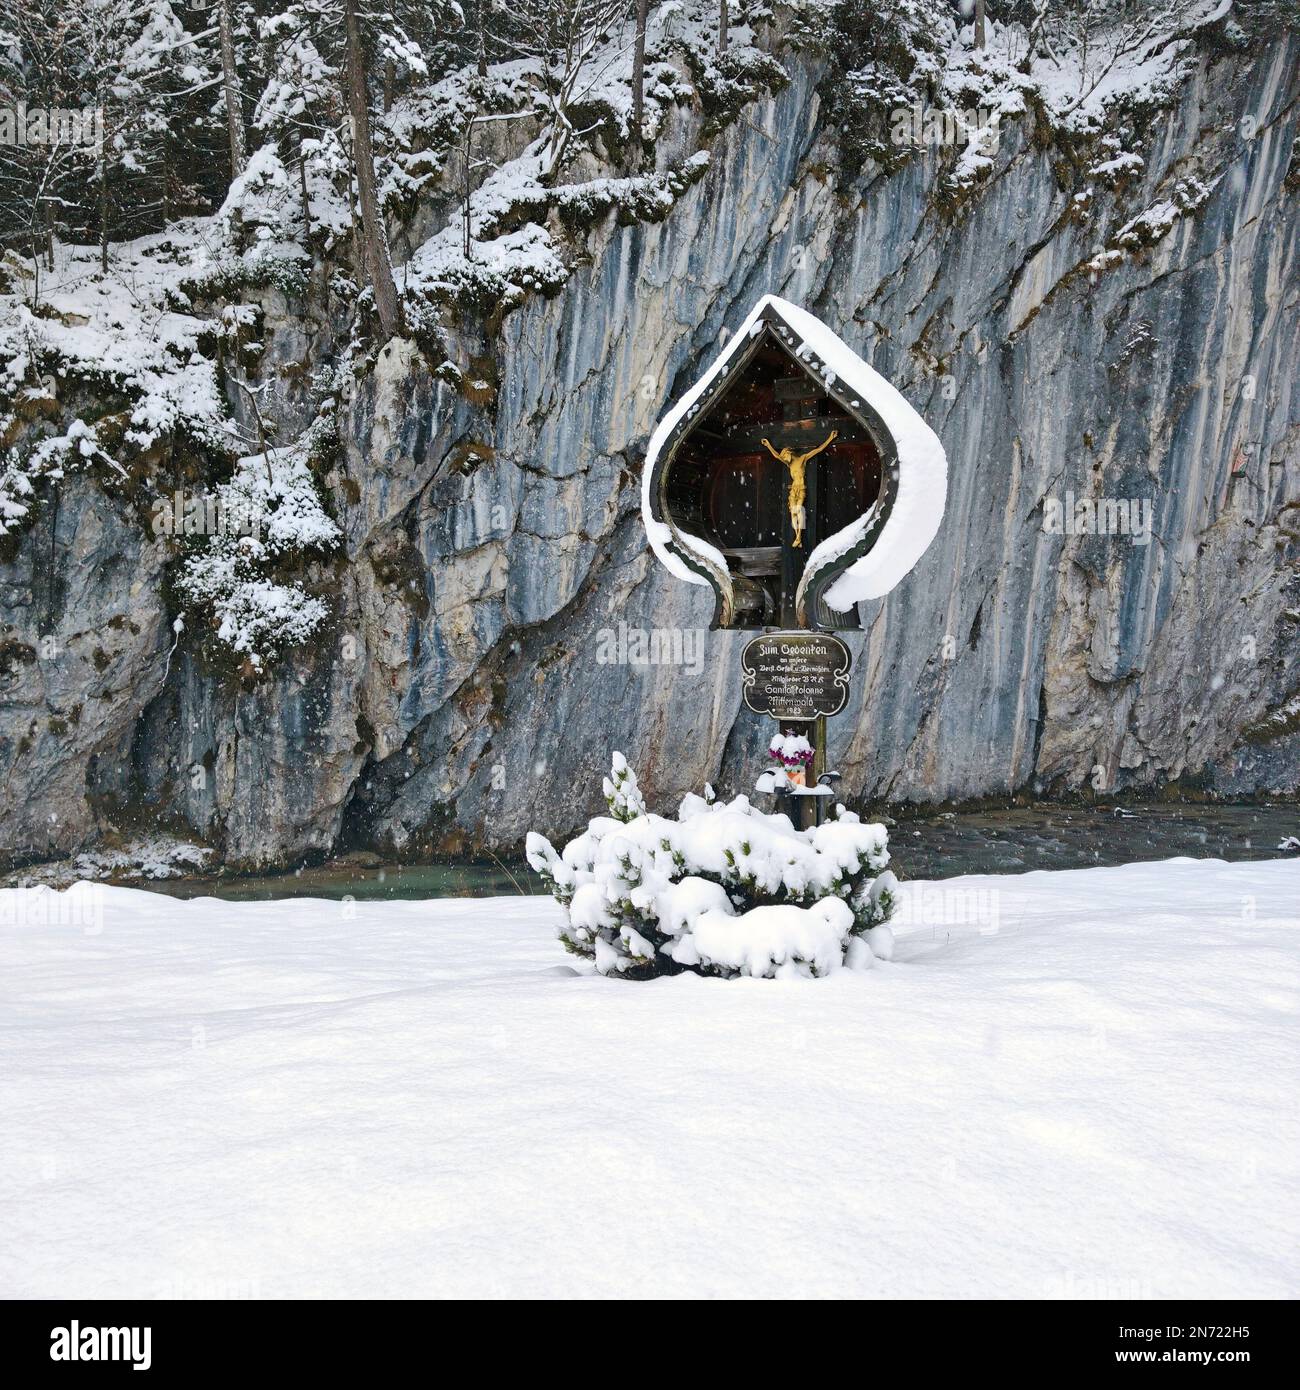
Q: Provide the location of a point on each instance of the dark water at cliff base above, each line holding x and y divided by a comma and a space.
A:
1006, 841
1019, 839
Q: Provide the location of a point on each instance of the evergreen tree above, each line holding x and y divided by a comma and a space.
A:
559, 37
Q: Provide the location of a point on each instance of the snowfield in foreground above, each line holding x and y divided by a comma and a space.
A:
1087, 1087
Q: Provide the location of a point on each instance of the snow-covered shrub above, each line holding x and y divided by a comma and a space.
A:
724, 889
622, 795
729, 82
882, 57
231, 580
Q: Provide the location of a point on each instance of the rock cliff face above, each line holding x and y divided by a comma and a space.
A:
461, 694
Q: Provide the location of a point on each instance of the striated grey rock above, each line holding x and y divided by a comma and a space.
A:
459, 696
83, 641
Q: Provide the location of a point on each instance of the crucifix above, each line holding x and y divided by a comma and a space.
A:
769, 517
798, 493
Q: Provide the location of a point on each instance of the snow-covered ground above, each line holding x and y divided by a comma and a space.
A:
1069, 1084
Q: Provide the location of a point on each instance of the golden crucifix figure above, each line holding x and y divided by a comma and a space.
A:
796, 463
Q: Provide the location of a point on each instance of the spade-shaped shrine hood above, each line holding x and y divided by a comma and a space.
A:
862, 560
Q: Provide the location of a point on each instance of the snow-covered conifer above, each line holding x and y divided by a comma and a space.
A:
724, 889
622, 794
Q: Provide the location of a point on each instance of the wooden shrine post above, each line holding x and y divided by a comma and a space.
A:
799, 678
790, 440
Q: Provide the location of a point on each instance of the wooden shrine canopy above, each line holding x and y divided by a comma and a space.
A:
792, 478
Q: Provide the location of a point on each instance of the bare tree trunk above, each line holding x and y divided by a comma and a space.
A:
103, 207
36, 264
374, 238
482, 37
724, 23
979, 23
638, 79
467, 245
230, 85
390, 82
302, 190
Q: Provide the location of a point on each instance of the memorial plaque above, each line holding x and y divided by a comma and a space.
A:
796, 675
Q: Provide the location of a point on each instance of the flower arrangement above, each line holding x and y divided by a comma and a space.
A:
794, 755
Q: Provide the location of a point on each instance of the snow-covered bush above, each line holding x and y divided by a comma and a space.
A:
622, 795
232, 580
724, 889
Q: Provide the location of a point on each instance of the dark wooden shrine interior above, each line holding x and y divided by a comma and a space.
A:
727, 488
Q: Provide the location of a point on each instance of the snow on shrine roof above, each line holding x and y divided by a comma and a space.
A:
922, 489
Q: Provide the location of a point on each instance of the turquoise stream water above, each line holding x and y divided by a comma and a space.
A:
933, 846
